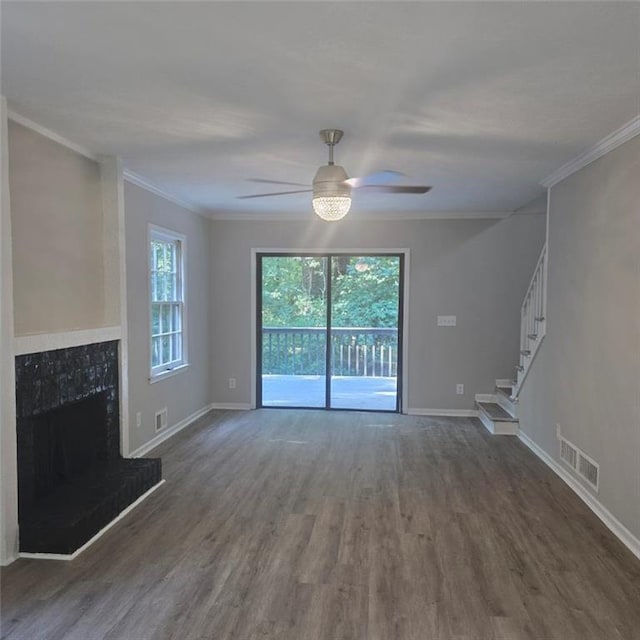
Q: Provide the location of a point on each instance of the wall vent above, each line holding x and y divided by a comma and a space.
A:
569, 453
586, 467
589, 470
161, 419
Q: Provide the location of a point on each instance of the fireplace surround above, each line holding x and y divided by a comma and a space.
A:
72, 479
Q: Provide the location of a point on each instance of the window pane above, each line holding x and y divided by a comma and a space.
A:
154, 289
155, 352
158, 254
170, 257
155, 319
175, 313
159, 291
165, 315
177, 346
170, 287
165, 349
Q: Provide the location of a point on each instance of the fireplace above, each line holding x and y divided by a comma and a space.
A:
72, 480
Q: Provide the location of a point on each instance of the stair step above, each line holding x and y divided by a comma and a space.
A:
496, 419
506, 394
506, 388
496, 412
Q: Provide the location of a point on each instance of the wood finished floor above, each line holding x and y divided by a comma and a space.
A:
305, 525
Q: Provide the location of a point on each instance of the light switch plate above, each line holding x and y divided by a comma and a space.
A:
447, 321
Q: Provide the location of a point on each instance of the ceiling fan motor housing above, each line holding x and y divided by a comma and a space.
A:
329, 181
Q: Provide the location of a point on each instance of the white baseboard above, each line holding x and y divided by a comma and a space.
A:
6, 561
443, 413
231, 406
611, 522
504, 382
165, 434
77, 552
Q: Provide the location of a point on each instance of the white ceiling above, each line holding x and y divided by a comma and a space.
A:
482, 100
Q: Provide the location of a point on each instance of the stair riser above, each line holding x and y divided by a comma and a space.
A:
498, 428
506, 403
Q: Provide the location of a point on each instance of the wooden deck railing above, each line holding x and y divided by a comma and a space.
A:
355, 351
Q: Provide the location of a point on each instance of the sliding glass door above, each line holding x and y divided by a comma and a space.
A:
329, 331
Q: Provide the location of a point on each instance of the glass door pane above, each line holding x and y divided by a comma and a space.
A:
292, 332
364, 321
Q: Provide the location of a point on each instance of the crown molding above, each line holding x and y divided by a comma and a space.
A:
47, 133
611, 142
144, 183
83, 151
393, 216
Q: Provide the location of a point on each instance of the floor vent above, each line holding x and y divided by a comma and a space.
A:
589, 470
569, 453
161, 419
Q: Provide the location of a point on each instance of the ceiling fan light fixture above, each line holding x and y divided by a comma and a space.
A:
332, 208
331, 193
332, 186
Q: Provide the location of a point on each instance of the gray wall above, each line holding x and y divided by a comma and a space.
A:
189, 390
475, 269
586, 376
57, 226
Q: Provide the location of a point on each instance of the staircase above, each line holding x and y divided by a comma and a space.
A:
498, 411
533, 322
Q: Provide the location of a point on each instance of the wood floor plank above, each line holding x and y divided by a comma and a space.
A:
314, 525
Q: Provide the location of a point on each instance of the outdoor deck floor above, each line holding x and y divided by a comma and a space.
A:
347, 392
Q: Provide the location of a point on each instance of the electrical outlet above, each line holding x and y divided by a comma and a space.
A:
447, 321
460, 389
139, 419
232, 383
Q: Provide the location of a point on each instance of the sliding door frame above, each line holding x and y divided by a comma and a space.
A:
403, 314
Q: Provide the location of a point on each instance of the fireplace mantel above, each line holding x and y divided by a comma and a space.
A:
39, 342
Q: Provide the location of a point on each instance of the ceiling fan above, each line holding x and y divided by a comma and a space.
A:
332, 186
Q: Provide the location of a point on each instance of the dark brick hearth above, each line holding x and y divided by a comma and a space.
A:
72, 480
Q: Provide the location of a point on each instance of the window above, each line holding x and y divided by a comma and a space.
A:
166, 264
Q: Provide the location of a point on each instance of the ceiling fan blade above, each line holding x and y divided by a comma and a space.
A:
389, 188
378, 177
295, 184
279, 193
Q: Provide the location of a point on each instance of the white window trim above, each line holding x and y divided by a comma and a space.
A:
168, 235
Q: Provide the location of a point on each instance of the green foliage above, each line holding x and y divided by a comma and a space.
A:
364, 291
366, 295
293, 292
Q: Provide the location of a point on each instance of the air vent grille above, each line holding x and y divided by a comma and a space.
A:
580, 462
161, 419
589, 470
568, 453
